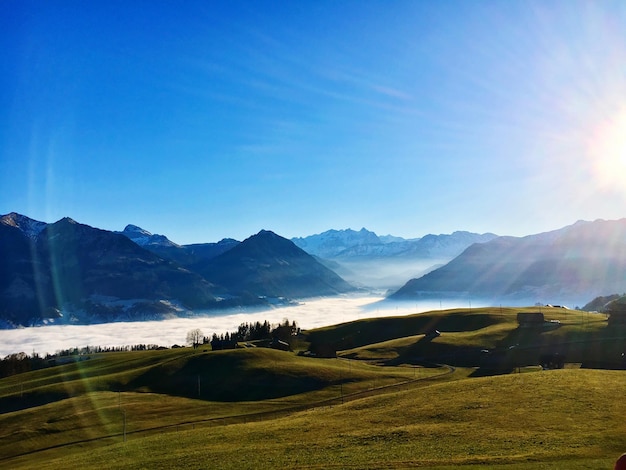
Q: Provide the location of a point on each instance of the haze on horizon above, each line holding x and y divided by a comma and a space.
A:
217, 119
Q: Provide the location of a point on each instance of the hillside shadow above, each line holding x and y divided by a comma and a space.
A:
523, 346
369, 331
30, 400
224, 378
427, 351
520, 347
599, 348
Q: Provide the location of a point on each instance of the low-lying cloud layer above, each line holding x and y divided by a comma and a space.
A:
309, 314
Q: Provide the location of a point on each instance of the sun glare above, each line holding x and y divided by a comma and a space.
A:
608, 152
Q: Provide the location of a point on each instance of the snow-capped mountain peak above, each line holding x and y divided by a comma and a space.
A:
143, 238
345, 244
30, 227
332, 242
136, 230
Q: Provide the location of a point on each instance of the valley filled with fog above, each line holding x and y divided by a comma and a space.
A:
308, 314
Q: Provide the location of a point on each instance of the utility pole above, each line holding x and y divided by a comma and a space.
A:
124, 411
341, 384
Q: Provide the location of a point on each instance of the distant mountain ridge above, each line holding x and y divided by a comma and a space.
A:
347, 244
67, 272
385, 262
185, 255
580, 261
332, 243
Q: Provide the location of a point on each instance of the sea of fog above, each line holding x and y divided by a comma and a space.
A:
308, 314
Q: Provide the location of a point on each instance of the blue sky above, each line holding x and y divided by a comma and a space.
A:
205, 120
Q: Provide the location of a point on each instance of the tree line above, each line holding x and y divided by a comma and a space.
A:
18, 363
246, 332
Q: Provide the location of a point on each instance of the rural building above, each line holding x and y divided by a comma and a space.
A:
530, 320
280, 345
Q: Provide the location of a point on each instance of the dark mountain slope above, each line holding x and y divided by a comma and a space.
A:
95, 274
269, 265
25, 286
577, 262
76, 273
85, 261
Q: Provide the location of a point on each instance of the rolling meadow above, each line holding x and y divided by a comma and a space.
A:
395, 396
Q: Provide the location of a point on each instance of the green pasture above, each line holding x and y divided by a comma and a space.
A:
580, 337
553, 419
91, 399
382, 403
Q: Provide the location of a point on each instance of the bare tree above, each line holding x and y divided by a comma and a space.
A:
195, 337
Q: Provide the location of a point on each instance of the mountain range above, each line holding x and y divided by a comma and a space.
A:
67, 272
385, 262
71, 272
350, 244
576, 263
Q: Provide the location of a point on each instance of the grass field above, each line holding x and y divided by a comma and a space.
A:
259, 408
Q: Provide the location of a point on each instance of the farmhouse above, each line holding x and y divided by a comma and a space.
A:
530, 320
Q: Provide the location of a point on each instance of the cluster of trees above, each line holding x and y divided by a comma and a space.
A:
254, 332
103, 349
285, 332
246, 332
21, 362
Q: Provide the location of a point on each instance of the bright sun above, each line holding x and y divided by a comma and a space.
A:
607, 148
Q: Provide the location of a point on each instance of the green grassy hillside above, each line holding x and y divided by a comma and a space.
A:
578, 336
381, 404
156, 389
569, 418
